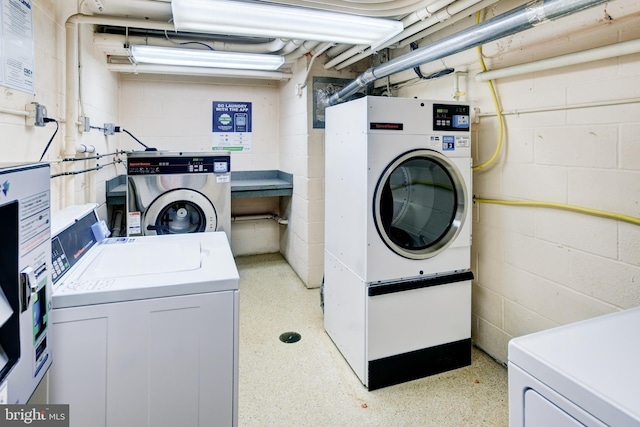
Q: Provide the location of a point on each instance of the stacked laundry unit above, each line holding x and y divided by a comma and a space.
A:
397, 284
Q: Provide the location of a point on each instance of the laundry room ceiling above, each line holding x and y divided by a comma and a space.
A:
204, 28
376, 8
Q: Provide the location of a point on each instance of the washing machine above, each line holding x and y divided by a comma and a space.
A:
581, 374
25, 279
146, 328
397, 279
178, 192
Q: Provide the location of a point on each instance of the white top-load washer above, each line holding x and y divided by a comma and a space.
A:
146, 327
585, 373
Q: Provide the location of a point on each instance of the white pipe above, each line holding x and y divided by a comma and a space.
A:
72, 97
119, 22
446, 16
114, 44
294, 46
424, 13
259, 217
337, 50
14, 112
378, 8
197, 71
414, 23
83, 148
300, 86
347, 54
72, 77
561, 107
599, 53
302, 50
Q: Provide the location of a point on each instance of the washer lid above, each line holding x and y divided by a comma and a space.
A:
126, 269
593, 363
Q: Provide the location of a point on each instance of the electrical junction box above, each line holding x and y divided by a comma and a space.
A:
37, 113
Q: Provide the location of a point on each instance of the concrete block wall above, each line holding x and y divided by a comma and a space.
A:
302, 153
294, 159
535, 267
20, 143
175, 113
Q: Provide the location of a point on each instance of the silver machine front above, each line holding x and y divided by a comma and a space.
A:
178, 192
25, 280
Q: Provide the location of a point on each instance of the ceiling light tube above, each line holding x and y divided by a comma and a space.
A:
143, 54
265, 20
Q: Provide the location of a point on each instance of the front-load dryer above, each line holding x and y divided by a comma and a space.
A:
397, 279
398, 184
178, 192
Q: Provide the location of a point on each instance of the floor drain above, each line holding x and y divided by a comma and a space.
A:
290, 337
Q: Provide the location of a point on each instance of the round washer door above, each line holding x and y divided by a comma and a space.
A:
419, 204
180, 211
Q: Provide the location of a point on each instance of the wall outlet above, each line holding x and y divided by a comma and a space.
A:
109, 128
37, 113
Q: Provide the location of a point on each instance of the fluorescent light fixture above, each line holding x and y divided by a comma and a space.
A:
143, 54
265, 20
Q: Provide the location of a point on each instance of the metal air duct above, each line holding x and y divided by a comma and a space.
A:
516, 20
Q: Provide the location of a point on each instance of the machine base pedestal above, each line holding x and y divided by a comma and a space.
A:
418, 364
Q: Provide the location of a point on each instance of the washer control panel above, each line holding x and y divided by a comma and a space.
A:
178, 165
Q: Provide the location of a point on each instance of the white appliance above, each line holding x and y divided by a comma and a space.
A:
397, 280
146, 328
178, 192
581, 374
25, 279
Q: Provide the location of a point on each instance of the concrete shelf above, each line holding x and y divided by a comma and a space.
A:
267, 183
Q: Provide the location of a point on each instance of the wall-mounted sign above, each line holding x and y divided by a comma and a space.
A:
231, 126
16, 45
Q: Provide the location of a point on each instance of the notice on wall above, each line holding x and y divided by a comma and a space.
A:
231, 126
16, 45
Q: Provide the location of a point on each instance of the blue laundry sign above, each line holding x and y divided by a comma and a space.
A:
448, 143
231, 126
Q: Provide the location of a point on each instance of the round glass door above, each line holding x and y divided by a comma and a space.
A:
420, 204
180, 217
180, 211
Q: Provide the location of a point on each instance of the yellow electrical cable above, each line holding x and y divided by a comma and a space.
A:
496, 103
553, 205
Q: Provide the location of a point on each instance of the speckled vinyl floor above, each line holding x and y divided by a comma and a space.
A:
308, 383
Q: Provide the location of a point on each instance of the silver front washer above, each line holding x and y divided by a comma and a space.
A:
177, 192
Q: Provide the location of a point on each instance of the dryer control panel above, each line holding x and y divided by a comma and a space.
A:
178, 165
451, 117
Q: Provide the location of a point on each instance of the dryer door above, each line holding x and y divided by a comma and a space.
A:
419, 204
180, 211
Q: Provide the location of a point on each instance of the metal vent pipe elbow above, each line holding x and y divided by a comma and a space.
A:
514, 21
